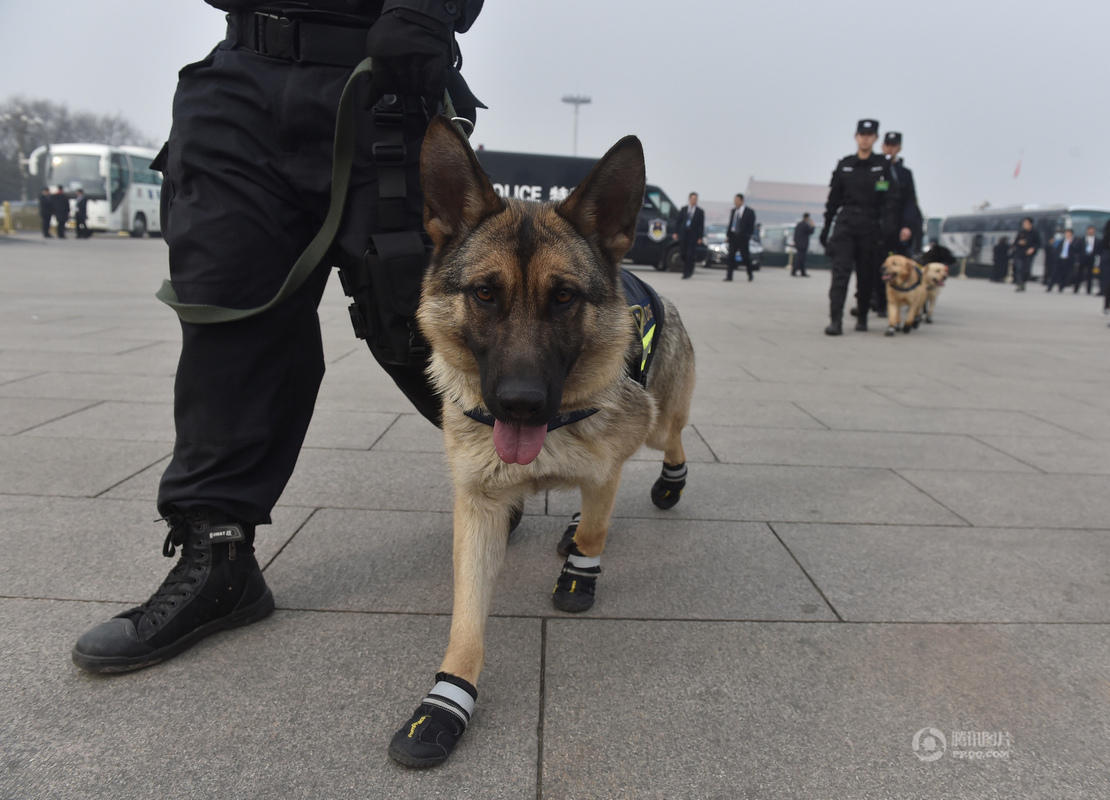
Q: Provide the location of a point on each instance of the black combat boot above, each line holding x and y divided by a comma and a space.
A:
215, 585
835, 327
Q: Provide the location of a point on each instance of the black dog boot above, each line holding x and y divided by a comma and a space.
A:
431, 733
907, 327
566, 544
215, 585
667, 490
890, 330
577, 583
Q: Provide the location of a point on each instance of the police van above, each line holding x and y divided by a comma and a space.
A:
540, 177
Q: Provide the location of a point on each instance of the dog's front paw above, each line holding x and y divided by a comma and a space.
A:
429, 736
907, 328
890, 331
577, 583
667, 490
929, 320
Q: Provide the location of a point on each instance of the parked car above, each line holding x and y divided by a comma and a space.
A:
716, 242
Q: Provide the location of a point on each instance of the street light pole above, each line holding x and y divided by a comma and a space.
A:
576, 100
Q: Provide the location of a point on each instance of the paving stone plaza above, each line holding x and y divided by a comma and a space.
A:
888, 577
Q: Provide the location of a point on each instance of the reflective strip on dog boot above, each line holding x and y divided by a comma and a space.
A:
667, 490
566, 544
577, 583
429, 736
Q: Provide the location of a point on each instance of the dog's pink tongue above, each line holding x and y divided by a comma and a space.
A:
518, 444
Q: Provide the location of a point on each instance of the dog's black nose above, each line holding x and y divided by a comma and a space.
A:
521, 398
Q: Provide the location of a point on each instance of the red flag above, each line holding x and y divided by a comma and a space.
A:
1017, 169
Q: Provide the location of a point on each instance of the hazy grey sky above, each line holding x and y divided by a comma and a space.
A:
718, 90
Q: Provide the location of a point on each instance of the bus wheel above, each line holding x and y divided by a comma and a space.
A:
138, 228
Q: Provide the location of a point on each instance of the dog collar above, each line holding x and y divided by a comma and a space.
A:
484, 417
907, 288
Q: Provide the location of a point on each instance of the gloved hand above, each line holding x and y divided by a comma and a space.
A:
824, 237
411, 53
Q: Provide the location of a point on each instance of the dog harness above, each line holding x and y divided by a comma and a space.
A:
647, 314
910, 288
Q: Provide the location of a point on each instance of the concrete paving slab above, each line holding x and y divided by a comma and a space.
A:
920, 574
1069, 454
771, 493
927, 420
1020, 501
742, 445
97, 549
142, 485
666, 569
401, 562
301, 705
411, 433
651, 710
380, 480
114, 421
155, 359
735, 409
93, 386
19, 414
347, 430
71, 467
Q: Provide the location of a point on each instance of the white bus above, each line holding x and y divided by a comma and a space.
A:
124, 192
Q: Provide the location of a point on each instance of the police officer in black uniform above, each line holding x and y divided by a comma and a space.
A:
908, 233
247, 181
864, 203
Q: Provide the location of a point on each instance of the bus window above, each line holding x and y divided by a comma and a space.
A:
120, 179
77, 172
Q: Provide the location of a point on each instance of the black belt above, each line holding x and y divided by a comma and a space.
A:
297, 39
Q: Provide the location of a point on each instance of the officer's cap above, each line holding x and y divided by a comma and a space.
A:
868, 126
893, 138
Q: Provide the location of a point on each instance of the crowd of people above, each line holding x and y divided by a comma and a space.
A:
1069, 262
54, 207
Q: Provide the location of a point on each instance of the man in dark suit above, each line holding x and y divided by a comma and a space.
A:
1067, 256
802, 231
61, 209
81, 215
691, 233
741, 224
1089, 249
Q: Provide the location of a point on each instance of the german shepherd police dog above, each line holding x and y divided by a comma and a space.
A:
532, 341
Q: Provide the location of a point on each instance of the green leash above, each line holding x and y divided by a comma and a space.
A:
309, 259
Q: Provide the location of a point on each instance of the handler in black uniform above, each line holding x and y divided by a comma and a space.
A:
908, 234
864, 202
81, 215
247, 181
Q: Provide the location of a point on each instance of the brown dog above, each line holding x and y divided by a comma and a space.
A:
905, 287
935, 276
535, 352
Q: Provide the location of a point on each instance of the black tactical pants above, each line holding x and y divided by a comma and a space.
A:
247, 180
853, 246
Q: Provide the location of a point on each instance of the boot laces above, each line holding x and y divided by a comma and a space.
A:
189, 569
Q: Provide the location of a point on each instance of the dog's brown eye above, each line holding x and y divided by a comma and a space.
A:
484, 294
563, 296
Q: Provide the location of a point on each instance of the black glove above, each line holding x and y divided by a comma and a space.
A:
824, 237
411, 53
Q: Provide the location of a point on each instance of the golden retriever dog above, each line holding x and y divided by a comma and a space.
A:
905, 287
935, 276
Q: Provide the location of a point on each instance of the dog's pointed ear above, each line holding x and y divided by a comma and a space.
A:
457, 193
603, 208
